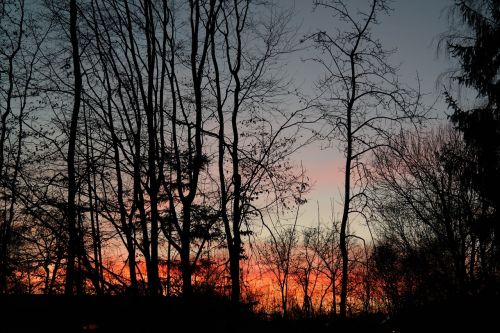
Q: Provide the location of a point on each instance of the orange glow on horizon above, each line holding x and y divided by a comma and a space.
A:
259, 284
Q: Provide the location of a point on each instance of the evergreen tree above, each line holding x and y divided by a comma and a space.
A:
478, 53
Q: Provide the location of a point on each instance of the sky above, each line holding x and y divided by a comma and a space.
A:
413, 28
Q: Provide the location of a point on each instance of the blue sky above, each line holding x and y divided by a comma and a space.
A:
413, 28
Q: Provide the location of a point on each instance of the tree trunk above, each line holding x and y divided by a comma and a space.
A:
235, 273
153, 276
72, 186
343, 228
187, 288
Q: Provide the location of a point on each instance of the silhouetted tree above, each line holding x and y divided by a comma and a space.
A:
361, 99
72, 187
326, 246
428, 211
277, 254
20, 41
255, 138
12, 23
472, 41
306, 269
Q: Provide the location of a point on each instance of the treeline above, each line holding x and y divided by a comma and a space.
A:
143, 144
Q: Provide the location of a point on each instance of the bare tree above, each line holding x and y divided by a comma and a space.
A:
72, 187
12, 21
363, 102
306, 270
20, 40
326, 246
277, 255
426, 203
253, 148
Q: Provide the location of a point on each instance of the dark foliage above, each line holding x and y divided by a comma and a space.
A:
478, 53
126, 314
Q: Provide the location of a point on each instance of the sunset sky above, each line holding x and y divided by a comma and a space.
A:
272, 165
413, 28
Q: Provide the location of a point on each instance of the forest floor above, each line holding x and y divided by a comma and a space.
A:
100, 314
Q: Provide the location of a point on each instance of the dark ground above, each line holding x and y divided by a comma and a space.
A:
42, 313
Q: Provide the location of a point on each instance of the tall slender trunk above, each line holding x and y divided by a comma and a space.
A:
169, 261
232, 231
153, 275
334, 297
92, 209
139, 200
197, 64
161, 129
221, 152
232, 228
347, 188
187, 287
343, 240
72, 186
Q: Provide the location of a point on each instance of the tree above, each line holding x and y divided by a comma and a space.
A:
306, 269
277, 255
20, 42
255, 138
472, 41
362, 101
426, 204
12, 25
72, 187
326, 246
